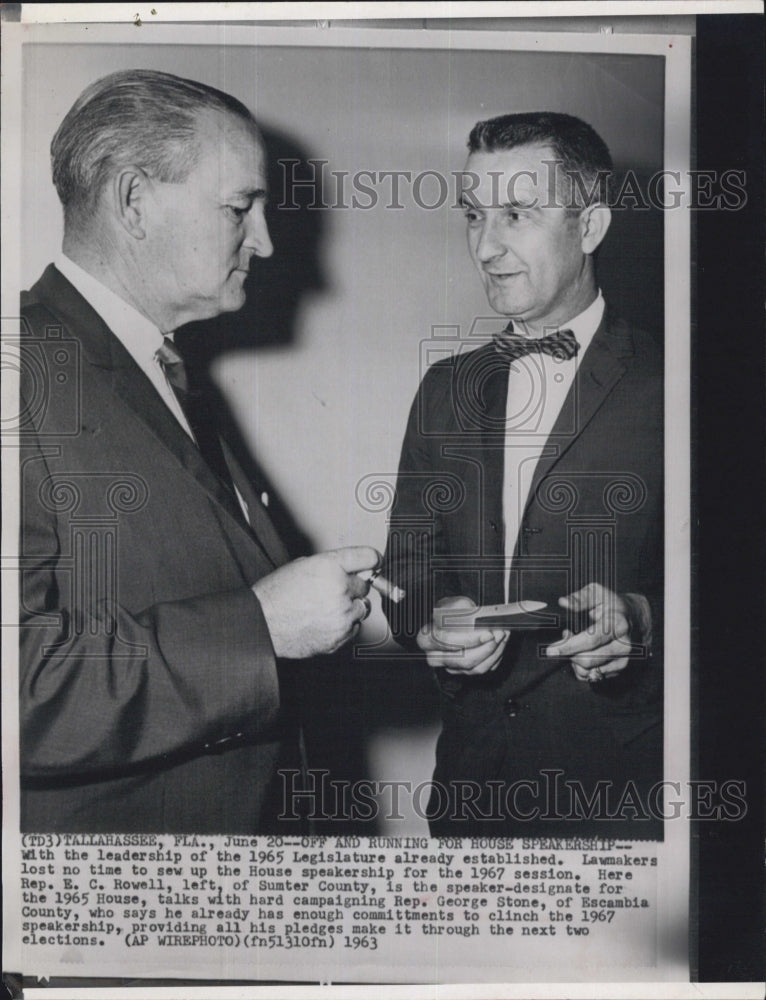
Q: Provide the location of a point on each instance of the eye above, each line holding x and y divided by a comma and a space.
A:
471, 215
237, 212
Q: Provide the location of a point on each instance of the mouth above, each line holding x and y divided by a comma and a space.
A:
244, 267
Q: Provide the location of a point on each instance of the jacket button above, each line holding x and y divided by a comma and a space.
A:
512, 708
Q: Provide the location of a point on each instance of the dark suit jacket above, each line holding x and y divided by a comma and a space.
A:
149, 692
594, 513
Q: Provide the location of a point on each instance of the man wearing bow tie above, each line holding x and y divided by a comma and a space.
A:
159, 617
547, 443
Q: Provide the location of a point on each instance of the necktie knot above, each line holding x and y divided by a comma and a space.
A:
172, 365
561, 345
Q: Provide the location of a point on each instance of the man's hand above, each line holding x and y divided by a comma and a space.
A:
602, 650
462, 651
316, 604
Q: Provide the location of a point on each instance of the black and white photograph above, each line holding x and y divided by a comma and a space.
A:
351, 500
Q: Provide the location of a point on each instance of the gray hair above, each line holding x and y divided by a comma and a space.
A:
141, 117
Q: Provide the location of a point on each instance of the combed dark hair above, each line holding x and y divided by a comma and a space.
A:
143, 117
581, 152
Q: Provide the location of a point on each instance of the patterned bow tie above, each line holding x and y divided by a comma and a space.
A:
561, 345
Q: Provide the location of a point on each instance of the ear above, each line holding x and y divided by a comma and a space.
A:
129, 198
594, 223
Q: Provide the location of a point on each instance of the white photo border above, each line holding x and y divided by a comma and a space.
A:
672, 911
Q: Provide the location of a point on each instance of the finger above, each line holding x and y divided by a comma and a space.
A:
585, 642
354, 558
369, 576
351, 632
580, 672
462, 638
614, 651
615, 646
596, 674
581, 600
438, 649
490, 635
480, 656
382, 584
610, 612
488, 665
453, 612
455, 602
387, 588
607, 623
365, 605
463, 660
356, 586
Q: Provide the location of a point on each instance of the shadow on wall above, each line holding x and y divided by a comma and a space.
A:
339, 701
275, 289
276, 284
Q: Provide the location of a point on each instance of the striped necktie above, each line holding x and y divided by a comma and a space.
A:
199, 413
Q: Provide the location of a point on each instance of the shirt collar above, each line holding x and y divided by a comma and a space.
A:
584, 325
140, 337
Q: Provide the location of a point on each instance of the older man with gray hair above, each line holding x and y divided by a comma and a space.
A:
158, 608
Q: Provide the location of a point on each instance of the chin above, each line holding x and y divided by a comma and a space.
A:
504, 307
232, 301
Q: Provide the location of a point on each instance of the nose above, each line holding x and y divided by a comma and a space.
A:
257, 237
489, 243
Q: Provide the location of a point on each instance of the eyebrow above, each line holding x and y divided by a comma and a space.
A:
534, 203
252, 194
465, 202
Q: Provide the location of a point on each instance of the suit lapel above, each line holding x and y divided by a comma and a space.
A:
260, 522
103, 350
600, 370
490, 454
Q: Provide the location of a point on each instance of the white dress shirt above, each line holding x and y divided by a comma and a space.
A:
137, 334
538, 385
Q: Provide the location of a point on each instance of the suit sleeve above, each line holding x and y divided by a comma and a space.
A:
416, 537
103, 689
